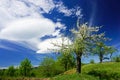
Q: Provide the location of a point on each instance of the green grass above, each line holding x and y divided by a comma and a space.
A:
74, 77
110, 66
106, 71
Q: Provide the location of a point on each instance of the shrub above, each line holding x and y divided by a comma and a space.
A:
116, 59
92, 61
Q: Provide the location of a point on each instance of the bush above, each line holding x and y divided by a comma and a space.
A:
92, 61
116, 59
104, 74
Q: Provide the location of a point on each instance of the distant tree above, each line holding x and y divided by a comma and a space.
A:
101, 49
10, 71
116, 58
25, 68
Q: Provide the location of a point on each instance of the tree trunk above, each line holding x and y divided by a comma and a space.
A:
78, 64
65, 66
101, 57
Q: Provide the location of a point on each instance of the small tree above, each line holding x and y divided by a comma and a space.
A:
47, 66
25, 67
67, 60
10, 71
63, 47
83, 41
101, 49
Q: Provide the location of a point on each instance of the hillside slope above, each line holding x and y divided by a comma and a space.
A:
104, 71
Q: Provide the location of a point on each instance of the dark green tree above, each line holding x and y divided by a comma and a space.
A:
2, 72
25, 68
10, 71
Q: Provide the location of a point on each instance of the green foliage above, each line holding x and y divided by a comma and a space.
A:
67, 60
25, 68
92, 61
74, 77
104, 71
10, 71
116, 59
2, 72
49, 67
101, 49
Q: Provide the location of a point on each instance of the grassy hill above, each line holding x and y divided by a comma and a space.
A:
108, 71
103, 71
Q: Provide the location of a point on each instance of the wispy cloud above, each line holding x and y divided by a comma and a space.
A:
7, 48
66, 11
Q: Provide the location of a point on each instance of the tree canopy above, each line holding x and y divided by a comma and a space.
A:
25, 67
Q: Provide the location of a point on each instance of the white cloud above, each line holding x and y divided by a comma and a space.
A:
22, 21
24, 29
47, 45
28, 31
78, 12
61, 26
63, 9
13, 9
46, 5
68, 12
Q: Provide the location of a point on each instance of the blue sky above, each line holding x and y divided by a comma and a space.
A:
27, 27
